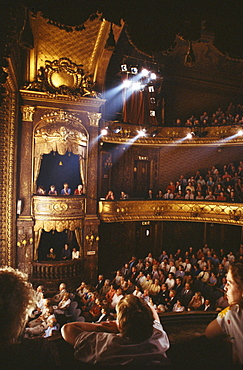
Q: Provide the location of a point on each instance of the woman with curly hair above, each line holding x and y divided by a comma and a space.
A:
16, 304
230, 320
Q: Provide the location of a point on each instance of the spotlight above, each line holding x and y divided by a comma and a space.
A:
240, 132
134, 70
104, 131
127, 83
144, 72
136, 86
190, 135
124, 67
153, 76
142, 132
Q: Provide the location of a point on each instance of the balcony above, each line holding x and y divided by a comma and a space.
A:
51, 274
58, 212
171, 210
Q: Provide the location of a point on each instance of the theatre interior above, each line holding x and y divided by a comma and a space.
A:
111, 97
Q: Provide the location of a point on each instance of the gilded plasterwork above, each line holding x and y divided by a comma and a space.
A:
58, 210
7, 171
225, 213
122, 133
61, 132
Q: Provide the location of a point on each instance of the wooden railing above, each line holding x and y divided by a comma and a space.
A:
50, 274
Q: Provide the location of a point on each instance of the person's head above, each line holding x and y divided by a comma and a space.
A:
62, 286
65, 185
53, 188
16, 303
51, 321
134, 318
51, 250
66, 246
80, 187
40, 288
172, 293
65, 296
234, 285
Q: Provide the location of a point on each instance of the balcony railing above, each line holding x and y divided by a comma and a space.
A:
51, 274
171, 210
58, 212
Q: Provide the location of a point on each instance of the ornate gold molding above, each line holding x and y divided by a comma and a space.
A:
77, 102
122, 133
94, 118
8, 119
27, 113
142, 210
58, 213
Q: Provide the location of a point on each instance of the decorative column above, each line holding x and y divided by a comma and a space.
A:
25, 220
91, 222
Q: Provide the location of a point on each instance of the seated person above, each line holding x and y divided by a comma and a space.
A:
123, 195
229, 321
66, 252
110, 195
51, 256
159, 195
15, 352
63, 305
75, 254
178, 307
135, 338
150, 194
52, 190
40, 190
66, 190
58, 297
52, 326
196, 303
79, 190
38, 326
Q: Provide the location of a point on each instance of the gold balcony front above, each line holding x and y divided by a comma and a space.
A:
58, 212
161, 210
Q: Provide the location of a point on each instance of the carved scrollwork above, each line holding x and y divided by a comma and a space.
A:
63, 77
235, 214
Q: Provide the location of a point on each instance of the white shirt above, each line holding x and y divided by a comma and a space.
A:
114, 349
75, 255
231, 322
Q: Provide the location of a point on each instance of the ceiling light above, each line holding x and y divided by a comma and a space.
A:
153, 76
144, 72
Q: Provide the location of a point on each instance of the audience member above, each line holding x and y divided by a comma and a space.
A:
229, 320
140, 333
